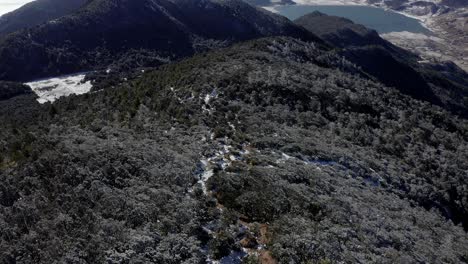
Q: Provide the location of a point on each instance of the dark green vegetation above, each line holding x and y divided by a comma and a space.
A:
11, 89
443, 85
309, 159
36, 13
108, 31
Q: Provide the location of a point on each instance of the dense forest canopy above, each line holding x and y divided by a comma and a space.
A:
275, 146
233, 135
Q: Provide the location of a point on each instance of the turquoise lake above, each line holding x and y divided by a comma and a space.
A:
381, 20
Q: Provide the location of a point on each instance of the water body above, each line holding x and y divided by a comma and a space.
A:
383, 21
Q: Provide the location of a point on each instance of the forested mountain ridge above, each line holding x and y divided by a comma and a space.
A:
118, 31
342, 32
286, 149
275, 146
36, 13
443, 84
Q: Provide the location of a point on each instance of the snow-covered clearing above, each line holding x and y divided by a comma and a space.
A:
49, 90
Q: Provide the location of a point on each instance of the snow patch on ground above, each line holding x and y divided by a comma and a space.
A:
206, 175
222, 158
284, 158
208, 98
49, 90
271, 8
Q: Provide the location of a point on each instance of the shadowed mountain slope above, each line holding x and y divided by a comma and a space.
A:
36, 13
105, 31
339, 31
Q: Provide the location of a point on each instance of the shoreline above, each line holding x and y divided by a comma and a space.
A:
423, 20
433, 45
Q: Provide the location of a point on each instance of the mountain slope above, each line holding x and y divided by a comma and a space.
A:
105, 31
36, 13
339, 31
390, 64
218, 154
